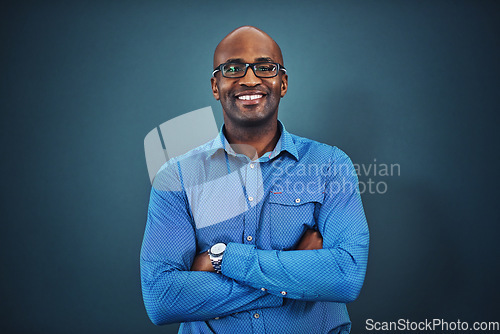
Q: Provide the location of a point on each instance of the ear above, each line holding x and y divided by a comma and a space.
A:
284, 84
215, 89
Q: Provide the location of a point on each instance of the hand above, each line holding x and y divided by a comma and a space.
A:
202, 262
310, 240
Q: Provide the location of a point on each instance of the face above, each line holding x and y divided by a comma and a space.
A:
249, 101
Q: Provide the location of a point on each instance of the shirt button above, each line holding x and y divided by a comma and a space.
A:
256, 316
250, 198
249, 238
263, 289
283, 293
252, 165
216, 318
297, 200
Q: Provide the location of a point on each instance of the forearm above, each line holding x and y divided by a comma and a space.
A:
178, 296
334, 274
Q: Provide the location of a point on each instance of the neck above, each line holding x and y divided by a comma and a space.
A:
253, 141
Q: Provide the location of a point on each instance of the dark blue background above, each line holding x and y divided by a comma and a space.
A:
413, 83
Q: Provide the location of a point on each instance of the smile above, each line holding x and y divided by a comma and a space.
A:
249, 97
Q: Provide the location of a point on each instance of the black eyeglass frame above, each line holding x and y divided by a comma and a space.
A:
247, 65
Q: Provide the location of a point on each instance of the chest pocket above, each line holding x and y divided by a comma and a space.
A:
290, 215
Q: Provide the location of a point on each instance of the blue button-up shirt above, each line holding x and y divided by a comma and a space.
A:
260, 208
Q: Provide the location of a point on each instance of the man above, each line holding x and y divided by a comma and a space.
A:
259, 230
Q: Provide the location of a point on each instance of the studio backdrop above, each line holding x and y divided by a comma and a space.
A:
408, 89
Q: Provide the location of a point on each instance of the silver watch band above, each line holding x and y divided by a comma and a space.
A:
217, 264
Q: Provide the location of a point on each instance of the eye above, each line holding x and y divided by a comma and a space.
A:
234, 68
265, 67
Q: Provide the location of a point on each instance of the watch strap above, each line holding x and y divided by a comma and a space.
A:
217, 264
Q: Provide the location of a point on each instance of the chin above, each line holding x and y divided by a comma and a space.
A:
251, 116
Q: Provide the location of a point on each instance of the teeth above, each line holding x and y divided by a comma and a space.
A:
249, 97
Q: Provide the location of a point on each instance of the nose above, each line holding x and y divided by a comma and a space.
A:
250, 79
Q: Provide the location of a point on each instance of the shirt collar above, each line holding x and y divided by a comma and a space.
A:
285, 143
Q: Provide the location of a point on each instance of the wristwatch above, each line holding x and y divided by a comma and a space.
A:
215, 252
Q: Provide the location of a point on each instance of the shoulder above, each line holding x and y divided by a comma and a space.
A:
175, 170
314, 150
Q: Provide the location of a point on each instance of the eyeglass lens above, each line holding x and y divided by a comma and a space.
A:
238, 70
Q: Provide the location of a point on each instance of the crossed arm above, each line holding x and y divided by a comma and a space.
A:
171, 274
171, 292
310, 240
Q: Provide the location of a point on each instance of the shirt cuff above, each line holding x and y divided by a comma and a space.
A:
235, 261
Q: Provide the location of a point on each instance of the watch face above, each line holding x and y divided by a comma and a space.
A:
218, 249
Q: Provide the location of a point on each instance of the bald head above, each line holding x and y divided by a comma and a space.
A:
245, 41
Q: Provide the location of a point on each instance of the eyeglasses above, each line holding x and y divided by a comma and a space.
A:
239, 70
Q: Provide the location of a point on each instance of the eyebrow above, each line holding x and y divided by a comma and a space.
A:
260, 59
269, 59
